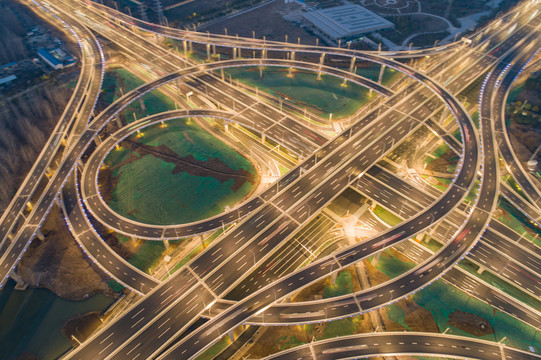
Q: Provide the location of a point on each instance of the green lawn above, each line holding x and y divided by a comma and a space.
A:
441, 299
148, 190
391, 266
147, 255
215, 349
386, 216
343, 285
324, 97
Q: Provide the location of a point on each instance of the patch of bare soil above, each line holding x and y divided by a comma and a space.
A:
58, 264
212, 167
470, 323
524, 139
417, 317
81, 326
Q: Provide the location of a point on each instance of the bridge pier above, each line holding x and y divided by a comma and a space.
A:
97, 140
21, 285
202, 239
443, 114
185, 47
40, 235
321, 61
381, 71
261, 72
234, 53
334, 275
231, 335
376, 258
166, 244
263, 138
214, 49
208, 52
352, 64
190, 46
481, 269
118, 121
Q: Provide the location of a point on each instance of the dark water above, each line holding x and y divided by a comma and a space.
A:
31, 321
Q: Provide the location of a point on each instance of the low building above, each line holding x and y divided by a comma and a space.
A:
56, 58
6, 80
345, 23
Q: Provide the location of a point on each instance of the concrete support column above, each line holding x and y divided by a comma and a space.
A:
21, 285
185, 46
202, 239
261, 72
97, 140
292, 56
226, 126
321, 61
352, 64
381, 70
208, 52
231, 335
263, 138
334, 275
376, 258
444, 114
40, 235
481, 269
142, 103
118, 121
213, 49
166, 244
190, 46
222, 74
290, 72
234, 53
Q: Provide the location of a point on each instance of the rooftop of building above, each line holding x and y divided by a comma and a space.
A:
347, 20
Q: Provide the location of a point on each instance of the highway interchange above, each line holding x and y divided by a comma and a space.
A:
271, 219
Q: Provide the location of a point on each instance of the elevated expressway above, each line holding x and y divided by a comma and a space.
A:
402, 343
300, 216
73, 119
116, 263
101, 211
514, 165
43, 209
484, 207
256, 303
186, 278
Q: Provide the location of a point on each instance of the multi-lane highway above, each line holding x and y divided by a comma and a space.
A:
394, 343
281, 213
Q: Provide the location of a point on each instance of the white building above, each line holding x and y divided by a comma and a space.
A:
346, 22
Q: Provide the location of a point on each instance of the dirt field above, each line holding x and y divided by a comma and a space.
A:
265, 21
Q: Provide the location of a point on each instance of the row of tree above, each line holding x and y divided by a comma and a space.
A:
25, 125
12, 32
